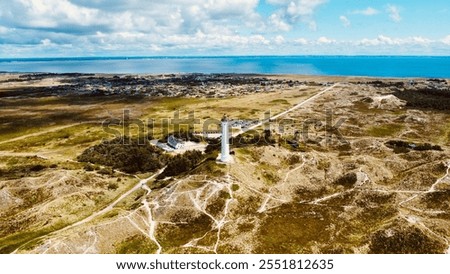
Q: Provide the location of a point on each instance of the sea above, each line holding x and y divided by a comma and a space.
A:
371, 66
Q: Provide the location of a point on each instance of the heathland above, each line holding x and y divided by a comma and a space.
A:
338, 165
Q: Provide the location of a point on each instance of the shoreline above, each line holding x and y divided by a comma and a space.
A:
305, 76
332, 66
36, 85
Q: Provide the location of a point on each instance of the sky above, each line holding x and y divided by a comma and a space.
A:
77, 28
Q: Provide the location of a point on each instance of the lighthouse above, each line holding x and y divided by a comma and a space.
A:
225, 156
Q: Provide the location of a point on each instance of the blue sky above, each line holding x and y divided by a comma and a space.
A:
48, 28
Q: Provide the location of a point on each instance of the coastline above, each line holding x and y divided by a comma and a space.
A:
365, 66
384, 171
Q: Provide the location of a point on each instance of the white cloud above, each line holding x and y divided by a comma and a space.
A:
186, 27
303, 7
3, 30
325, 40
225, 8
380, 40
420, 40
279, 39
301, 41
278, 22
206, 41
294, 11
46, 42
394, 13
134, 25
446, 40
168, 17
49, 13
345, 21
385, 40
369, 11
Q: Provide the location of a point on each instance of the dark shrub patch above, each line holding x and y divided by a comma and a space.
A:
409, 240
348, 180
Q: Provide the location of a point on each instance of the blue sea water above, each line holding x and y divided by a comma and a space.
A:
374, 66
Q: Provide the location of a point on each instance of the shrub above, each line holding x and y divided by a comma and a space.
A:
348, 180
89, 167
182, 163
105, 171
130, 156
113, 186
409, 240
36, 168
402, 146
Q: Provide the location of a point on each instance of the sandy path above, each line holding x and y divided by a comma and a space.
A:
307, 101
113, 204
108, 208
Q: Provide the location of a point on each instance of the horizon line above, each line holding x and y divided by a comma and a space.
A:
209, 56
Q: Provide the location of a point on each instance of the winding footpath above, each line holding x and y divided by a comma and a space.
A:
110, 207
141, 184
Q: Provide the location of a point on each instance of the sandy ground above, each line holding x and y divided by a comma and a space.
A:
320, 198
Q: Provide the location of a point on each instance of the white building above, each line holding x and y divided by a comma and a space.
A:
174, 142
225, 156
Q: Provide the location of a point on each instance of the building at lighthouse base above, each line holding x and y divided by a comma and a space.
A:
225, 160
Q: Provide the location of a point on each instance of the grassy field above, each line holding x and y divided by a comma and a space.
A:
287, 196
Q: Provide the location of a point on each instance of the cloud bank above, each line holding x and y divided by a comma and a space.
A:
31, 28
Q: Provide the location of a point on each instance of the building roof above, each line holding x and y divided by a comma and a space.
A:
173, 141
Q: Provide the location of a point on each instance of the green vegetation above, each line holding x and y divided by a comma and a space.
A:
68, 137
356, 219
294, 228
174, 236
111, 214
280, 101
254, 154
19, 167
386, 130
217, 205
408, 240
113, 186
182, 163
137, 244
271, 178
248, 205
438, 200
308, 194
403, 147
234, 187
253, 138
348, 180
426, 98
129, 155
291, 144
133, 155
210, 167
293, 159
25, 238
323, 164
176, 103
299, 227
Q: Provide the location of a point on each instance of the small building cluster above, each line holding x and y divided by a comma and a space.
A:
243, 124
175, 143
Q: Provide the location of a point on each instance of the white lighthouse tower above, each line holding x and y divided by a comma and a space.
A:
225, 156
